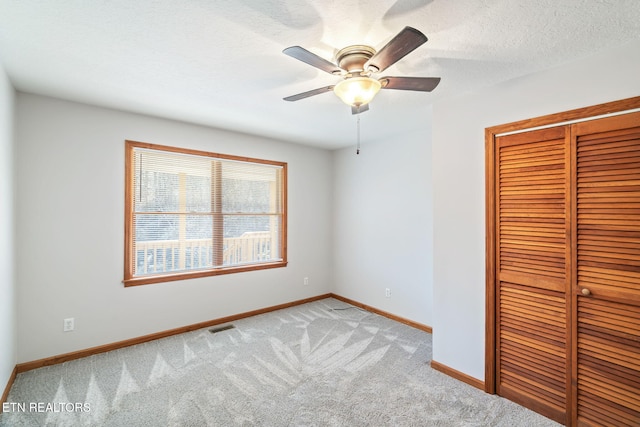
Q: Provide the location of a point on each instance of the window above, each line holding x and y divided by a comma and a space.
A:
192, 214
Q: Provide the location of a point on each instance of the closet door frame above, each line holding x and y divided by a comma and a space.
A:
558, 119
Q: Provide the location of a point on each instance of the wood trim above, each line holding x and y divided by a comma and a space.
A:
147, 280
129, 225
490, 267
201, 153
27, 366
460, 376
388, 315
566, 116
5, 394
284, 176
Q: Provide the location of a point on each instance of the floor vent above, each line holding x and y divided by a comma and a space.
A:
221, 328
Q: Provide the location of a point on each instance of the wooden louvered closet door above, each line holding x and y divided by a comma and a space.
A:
565, 227
607, 332
533, 269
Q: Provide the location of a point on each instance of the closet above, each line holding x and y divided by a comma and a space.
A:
563, 266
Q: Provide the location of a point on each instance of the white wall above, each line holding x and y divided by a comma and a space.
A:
383, 224
458, 178
70, 222
8, 326
407, 216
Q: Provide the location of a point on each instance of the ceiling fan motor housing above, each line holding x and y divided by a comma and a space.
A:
353, 58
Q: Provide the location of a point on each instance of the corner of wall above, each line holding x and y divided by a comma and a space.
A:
383, 213
8, 303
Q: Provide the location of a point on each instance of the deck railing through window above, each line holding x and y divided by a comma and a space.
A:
165, 256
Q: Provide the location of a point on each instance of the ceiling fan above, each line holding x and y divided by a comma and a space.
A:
357, 63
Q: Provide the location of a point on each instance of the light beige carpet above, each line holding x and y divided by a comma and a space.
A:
320, 364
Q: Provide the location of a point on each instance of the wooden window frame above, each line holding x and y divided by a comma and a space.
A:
131, 280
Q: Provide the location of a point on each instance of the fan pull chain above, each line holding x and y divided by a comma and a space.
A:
358, 146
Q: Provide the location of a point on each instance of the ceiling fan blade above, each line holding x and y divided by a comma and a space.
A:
360, 109
302, 54
402, 44
308, 93
422, 84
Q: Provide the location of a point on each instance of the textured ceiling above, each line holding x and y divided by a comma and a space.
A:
220, 62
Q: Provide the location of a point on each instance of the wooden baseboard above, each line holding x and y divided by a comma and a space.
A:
460, 376
5, 394
61, 358
384, 313
27, 366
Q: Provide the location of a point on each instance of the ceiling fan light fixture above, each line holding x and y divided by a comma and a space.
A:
357, 91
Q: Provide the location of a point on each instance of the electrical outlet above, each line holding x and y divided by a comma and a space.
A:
306, 281
387, 292
68, 324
